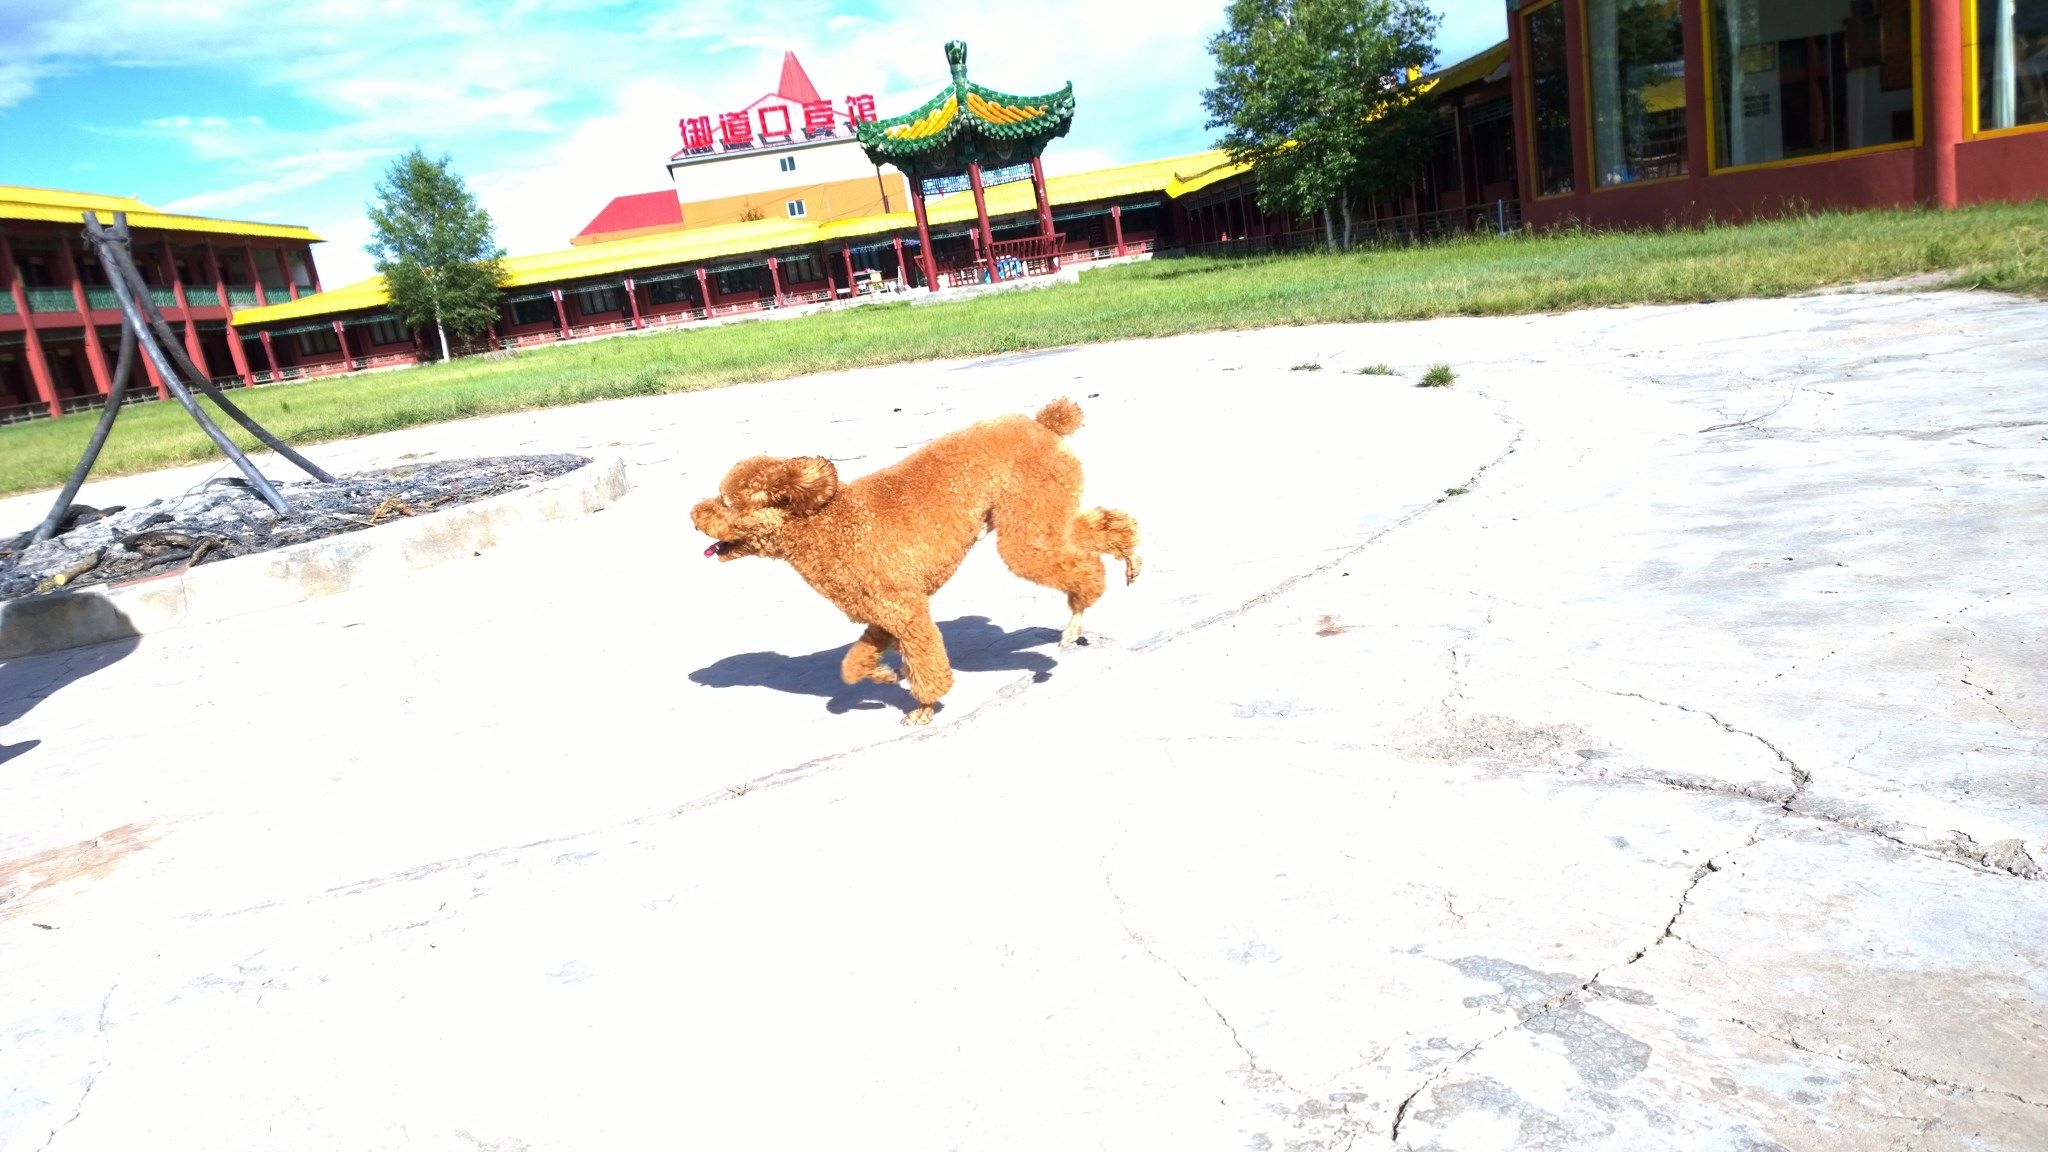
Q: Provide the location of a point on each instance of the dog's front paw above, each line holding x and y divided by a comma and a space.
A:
884, 675
918, 717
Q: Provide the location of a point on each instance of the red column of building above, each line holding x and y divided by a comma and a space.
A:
924, 239
255, 276
67, 266
561, 315
1116, 226
38, 371
902, 273
1942, 44
846, 254
704, 291
1575, 86
270, 356
1693, 39
1044, 200
988, 236
775, 280
633, 301
220, 294
284, 264
348, 359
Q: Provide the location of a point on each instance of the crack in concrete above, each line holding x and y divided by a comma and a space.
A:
1251, 1058
1990, 697
1800, 776
1556, 1000
92, 1080
1941, 618
1790, 1040
1288, 585
2005, 857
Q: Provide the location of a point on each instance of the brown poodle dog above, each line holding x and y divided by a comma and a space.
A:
880, 546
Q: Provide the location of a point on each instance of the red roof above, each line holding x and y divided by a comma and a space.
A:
641, 210
795, 85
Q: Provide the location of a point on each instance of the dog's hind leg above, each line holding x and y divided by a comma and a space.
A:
927, 672
1045, 554
864, 660
1108, 532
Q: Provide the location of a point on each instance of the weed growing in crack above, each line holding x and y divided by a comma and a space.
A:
1307, 366
1456, 491
1438, 376
1378, 370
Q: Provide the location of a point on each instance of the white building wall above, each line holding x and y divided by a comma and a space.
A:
747, 173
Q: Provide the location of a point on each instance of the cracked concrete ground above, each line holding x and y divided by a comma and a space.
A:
1679, 785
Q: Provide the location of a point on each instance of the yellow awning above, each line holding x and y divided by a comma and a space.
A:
60, 207
1470, 69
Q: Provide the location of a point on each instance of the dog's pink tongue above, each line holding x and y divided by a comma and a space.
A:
711, 551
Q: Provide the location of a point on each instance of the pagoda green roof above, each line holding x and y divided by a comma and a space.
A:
967, 122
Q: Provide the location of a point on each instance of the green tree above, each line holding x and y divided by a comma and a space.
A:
434, 248
1317, 96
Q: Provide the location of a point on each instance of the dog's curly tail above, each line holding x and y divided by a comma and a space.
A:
1062, 416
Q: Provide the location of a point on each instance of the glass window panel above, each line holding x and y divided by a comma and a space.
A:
1637, 58
1796, 78
2012, 63
1550, 107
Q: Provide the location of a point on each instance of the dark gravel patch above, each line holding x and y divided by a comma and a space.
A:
224, 518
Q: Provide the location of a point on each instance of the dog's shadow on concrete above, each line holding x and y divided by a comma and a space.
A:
973, 644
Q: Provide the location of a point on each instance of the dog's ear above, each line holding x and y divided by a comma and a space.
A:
803, 485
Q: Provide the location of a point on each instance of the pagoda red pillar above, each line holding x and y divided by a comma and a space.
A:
1116, 226
924, 238
902, 274
1044, 203
703, 291
775, 280
38, 371
852, 289
633, 301
67, 267
561, 315
988, 238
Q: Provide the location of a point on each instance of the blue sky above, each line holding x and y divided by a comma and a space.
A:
290, 113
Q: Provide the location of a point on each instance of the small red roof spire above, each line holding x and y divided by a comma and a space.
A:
795, 86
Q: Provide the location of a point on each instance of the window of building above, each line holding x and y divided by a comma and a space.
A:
389, 330
1635, 60
794, 207
741, 280
2011, 38
1550, 103
318, 342
800, 269
537, 311
1800, 78
599, 300
676, 291
787, 163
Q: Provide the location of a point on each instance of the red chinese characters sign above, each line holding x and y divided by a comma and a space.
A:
772, 124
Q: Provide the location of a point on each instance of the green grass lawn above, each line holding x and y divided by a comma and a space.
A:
2000, 247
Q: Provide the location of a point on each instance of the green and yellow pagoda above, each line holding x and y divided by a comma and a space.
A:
967, 128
